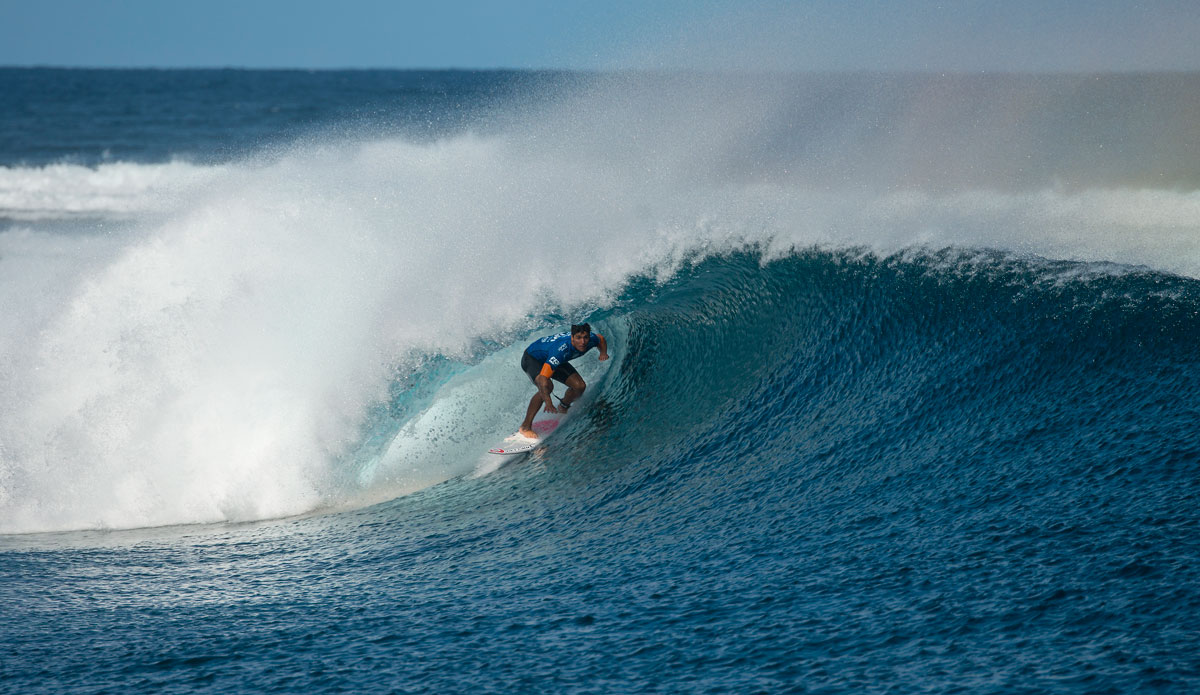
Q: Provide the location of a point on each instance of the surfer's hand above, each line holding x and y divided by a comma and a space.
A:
602, 356
551, 409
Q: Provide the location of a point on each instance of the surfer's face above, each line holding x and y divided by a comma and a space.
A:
579, 341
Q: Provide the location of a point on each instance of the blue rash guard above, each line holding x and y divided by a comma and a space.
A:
556, 350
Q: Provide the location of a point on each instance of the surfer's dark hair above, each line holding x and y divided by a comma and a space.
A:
581, 328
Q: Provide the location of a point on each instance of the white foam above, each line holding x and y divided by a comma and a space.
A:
217, 365
112, 190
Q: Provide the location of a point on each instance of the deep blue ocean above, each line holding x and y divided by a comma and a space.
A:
902, 397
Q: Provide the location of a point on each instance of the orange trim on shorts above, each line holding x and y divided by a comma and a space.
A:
547, 370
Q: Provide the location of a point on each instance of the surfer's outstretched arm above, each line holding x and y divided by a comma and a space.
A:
603, 348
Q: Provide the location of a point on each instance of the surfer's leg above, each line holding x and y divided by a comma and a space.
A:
526, 427
531, 366
575, 388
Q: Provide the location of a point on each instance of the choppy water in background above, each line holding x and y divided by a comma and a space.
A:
902, 396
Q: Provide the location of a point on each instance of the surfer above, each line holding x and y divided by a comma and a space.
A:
549, 358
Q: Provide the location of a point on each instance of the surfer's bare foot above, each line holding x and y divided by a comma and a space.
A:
526, 432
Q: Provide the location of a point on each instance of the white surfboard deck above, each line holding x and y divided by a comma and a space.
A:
520, 444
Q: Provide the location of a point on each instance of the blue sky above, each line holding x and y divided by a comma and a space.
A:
969, 35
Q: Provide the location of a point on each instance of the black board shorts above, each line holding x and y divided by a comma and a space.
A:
532, 366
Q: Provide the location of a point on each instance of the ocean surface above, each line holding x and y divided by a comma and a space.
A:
903, 395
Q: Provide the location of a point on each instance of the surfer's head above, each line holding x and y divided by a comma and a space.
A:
581, 333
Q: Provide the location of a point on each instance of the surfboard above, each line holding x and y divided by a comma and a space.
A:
519, 444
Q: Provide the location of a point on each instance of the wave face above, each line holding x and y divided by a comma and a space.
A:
954, 383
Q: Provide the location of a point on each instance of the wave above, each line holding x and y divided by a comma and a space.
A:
803, 358
336, 323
